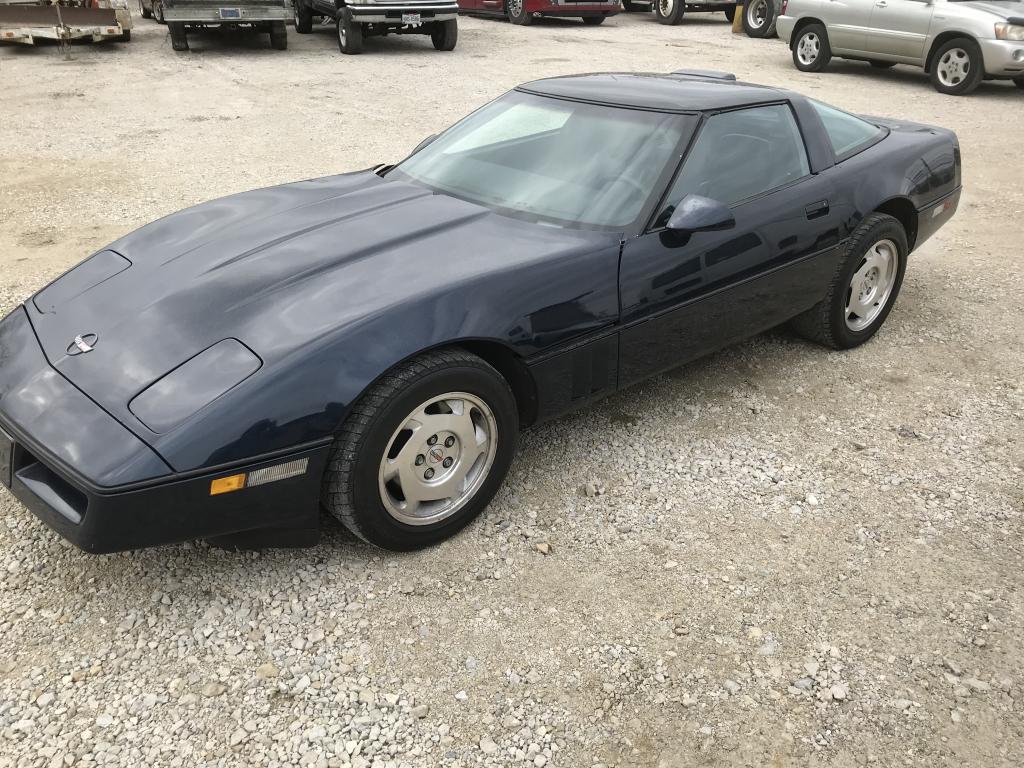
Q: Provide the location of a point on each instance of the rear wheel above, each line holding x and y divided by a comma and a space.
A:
423, 451
303, 17
516, 12
158, 11
957, 67
147, 13
759, 18
669, 11
124, 37
445, 34
863, 289
882, 64
593, 21
179, 40
811, 52
278, 36
1019, 82
350, 33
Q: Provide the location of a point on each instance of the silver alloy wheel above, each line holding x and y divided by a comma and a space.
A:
515, 7
342, 32
808, 48
757, 13
665, 7
953, 67
438, 458
871, 285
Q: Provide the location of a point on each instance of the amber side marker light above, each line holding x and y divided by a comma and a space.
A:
227, 484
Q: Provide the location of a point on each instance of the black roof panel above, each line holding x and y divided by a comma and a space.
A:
666, 92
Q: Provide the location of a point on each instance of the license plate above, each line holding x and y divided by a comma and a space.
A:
410, 18
6, 457
230, 13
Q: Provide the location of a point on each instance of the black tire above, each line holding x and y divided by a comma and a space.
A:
158, 12
809, 35
966, 53
882, 64
351, 490
516, 12
303, 16
147, 13
350, 33
759, 18
445, 34
628, 6
179, 40
593, 21
1019, 82
669, 12
826, 322
124, 37
278, 36
730, 13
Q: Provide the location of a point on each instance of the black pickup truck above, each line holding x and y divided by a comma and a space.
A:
359, 19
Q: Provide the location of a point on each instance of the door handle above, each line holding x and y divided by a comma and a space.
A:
815, 210
882, 4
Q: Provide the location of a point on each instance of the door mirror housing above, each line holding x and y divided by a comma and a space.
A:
700, 214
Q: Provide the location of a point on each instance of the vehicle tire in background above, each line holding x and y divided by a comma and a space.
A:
445, 34
303, 16
124, 37
593, 21
147, 13
957, 67
158, 11
863, 289
516, 12
278, 36
628, 6
442, 423
669, 11
882, 64
179, 40
1019, 82
350, 34
759, 18
811, 52
730, 12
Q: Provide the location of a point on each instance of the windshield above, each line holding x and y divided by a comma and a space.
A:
549, 159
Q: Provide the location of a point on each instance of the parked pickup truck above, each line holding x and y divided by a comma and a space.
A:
263, 15
358, 19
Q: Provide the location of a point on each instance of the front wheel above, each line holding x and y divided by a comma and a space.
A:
303, 17
957, 67
811, 51
759, 18
669, 11
593, 21
350, 33
445, 34
179, 40
863, 289
423, 451
517, 13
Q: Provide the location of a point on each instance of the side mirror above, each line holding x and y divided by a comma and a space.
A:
700, 214
424, 143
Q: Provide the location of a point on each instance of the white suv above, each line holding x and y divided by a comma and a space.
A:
958, 42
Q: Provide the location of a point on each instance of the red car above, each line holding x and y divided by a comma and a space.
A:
523, 11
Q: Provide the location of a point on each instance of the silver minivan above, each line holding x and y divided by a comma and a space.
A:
957, 42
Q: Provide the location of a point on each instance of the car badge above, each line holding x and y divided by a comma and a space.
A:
83, 343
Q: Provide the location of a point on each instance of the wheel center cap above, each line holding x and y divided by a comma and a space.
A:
435, 455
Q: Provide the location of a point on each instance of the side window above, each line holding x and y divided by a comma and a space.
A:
739, 155
846, 132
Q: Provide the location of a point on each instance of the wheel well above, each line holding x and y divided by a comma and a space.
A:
941, 40
799, 27
514, 371
901, 209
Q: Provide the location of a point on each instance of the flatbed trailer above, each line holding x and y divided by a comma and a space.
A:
26, 23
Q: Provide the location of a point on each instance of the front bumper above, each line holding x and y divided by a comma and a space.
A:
1003, 58
95, 483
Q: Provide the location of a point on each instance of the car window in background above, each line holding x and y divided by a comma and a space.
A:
846, 132
739, 155
554, 160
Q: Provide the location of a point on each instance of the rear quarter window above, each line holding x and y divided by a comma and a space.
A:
847, 133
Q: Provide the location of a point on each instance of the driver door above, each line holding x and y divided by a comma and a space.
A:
682, 294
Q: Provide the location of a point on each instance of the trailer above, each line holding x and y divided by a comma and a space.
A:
64, 21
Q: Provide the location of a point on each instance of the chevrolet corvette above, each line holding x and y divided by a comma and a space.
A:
371, 343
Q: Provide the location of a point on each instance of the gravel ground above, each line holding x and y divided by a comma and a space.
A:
776, 556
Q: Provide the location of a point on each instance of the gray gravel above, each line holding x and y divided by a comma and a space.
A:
777, 556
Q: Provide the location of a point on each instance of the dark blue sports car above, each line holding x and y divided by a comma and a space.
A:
373, 342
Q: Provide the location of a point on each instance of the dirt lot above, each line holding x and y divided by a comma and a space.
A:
793, 557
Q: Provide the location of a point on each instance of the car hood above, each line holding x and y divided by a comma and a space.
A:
1002, 10
276, 269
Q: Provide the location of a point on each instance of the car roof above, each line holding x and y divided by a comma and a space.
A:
671, 92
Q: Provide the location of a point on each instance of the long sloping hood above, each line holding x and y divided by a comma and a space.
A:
276, 269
